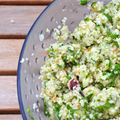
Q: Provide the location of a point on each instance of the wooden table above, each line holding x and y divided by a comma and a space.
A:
16, 18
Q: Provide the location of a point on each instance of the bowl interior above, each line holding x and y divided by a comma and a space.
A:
33, 52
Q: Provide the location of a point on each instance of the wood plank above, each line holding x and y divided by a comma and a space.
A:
9, 55
8, 95
11, 117
23, 16
25, 2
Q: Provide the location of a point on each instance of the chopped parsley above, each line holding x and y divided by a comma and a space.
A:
54, 74
68, 77
93, 4
102, 10
108, 17
83, 2
87, 19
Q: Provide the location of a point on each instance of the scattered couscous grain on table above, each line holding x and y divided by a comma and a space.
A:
90, 61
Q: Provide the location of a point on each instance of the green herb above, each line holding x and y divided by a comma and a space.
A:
93, 60
61, 86
88, 74
56, 110
101, 86
90, 96
114, 36
45, 84
68, 107
105, 73
66, 58
28, 109
83, 2
33, 80
116, 43
108, 31
104, 24
110, 63
59, 66
113, 75
56, 113
71, 50
102, 10
81, 37
54, 74
31, 116
68, 77
45, 109
108, 17
85, 106
107, 106
106, 7
87, 19
93, 4
98, 100
57, 106
74, 38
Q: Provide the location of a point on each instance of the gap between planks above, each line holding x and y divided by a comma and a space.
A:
25, 2
9, 55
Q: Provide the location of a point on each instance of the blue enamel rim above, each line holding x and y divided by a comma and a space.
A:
19, 65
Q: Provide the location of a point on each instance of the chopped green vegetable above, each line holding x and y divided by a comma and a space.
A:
114, 36
104, 24
81, 37
108, 17
85, 106
56, 110
102, 10
54, 74
45, 84
28, 109
87, 19
68, 107
68, 77
110, 63
59, 66
74, 38
31, 116
66, 58
89, 97
101, 86
116, 43
56, 113
108, 31
93, 4
71, 50
83, 2
61, 86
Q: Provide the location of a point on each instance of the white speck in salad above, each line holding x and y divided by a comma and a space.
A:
59, 26
41, 37
22, 61
47, 30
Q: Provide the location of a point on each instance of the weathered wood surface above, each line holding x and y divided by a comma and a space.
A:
11, 117
23, 17
25, 2
9, 55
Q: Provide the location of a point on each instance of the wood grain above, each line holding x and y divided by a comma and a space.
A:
23, 16
8, 95
25, 2
11, 117
9, 55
